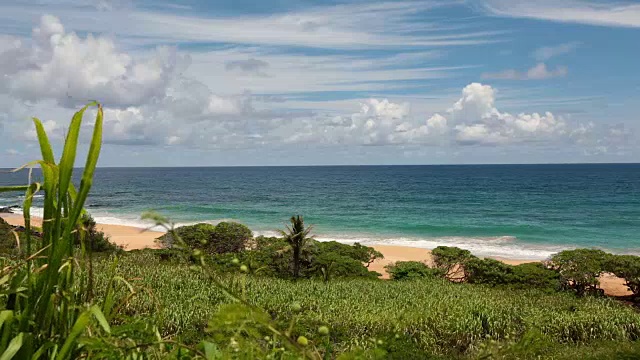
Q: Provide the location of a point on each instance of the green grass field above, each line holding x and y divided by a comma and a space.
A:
420, 317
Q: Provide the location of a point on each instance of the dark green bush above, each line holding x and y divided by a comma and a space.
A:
535, 275
523, 276
194, 236
488, 271
96, 240
223, 238
579, 269
229, 237
332, 264
403, 270
450, 261
357, 251
628, 268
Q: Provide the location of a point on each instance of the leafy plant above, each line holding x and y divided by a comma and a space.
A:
44, 313
297, 237
404, 270
628, 268
579, 269
451, 262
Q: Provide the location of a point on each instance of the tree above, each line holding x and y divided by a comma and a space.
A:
579, 269
296, 236
450, 261
628, 268
229, 237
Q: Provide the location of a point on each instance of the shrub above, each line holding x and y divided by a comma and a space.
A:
403, 270
628, 268
229, 237
579, 269
193, 235
223, 238
488, 271
332, 264
535, 275
96, 240
450, 261
357, 251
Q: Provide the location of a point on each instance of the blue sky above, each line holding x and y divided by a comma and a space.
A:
326, 82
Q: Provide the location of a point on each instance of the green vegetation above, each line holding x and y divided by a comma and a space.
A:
628, 268
297, 236
226, 237
218, 293
579, 269
406, 270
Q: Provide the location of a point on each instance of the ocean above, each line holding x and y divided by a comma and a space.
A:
512, 211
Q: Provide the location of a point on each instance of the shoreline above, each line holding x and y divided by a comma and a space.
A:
133, 238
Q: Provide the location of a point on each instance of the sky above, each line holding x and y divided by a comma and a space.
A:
286, 82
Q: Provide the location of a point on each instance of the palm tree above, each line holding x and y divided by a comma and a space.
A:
297, 236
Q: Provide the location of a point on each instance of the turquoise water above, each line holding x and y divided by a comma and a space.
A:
516, 211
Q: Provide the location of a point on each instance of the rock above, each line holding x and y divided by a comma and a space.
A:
6, 210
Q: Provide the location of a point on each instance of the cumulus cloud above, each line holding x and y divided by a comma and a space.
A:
547, 52
476, 120
63, 66
538, 72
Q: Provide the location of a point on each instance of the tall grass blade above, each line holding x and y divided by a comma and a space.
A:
13, 348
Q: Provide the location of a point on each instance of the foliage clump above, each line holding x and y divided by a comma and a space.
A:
225, 237
406, 270
88, 235
626, 267
450, 261
579, 269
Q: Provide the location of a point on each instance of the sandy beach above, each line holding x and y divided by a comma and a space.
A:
132, 238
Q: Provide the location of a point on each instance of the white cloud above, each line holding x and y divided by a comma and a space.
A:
538, 72
12, 152
615, 14
61, 65
476, 120
361, 25
547, 52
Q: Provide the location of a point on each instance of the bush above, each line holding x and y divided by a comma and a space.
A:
450, 262
628, 268
96, 240
229, 237
535, 275
579, 269
195, 236
332, 264
226, 237
364, 254
403, 270
523, 276
488, 271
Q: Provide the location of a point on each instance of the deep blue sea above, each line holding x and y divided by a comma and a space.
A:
514, 211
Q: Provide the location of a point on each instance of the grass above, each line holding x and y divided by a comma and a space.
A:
434, 316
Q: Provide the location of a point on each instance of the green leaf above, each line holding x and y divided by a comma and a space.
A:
95, 310
12, 349
14, 188
89, 168
78, 328
45, 145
